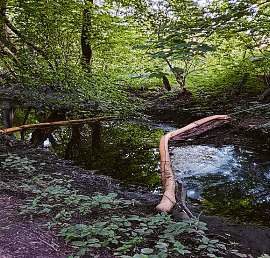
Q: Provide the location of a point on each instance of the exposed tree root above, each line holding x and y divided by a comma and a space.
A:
168, 178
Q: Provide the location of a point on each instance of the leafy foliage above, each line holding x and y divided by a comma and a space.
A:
128, 234
41, 45
81, 221
123, 234
17, 163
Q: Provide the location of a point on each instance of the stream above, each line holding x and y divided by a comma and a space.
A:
231, 180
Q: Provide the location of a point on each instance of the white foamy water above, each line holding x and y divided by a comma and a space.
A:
201, 160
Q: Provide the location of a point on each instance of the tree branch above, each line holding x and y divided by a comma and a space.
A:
26, 41
8, 52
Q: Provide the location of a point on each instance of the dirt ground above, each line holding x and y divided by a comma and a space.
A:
26, 238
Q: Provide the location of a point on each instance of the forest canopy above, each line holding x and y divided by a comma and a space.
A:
100, 48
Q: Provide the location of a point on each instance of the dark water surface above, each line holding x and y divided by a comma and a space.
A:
128, 151
231, 179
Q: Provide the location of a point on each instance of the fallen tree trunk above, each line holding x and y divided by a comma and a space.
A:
50, 124
167, 176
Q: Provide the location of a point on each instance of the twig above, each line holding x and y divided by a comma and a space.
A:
54, 246
181, 198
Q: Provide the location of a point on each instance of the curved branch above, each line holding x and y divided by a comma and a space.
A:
168, 178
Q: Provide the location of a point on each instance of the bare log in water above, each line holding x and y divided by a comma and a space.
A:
51, 124
167, 176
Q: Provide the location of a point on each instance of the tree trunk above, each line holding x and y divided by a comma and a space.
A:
72, 149
166, 83
7, 113
87, 52
180, 78
96, 136
266, 79
3, 31
265, 97
6, 45
178, 74
168, 200
47, 125
243, 82
40, 135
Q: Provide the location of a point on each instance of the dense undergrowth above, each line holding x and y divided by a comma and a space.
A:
103, 222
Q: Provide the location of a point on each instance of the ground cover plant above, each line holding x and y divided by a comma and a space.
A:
104, 221
125, 235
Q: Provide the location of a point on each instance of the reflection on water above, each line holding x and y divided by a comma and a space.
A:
126, 151
230, 180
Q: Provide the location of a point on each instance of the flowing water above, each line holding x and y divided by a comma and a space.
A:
231, 179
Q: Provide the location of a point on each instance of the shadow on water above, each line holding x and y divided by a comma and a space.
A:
231, 179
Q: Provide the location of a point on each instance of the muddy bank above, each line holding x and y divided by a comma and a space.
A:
254, 239
86, 182
248, 112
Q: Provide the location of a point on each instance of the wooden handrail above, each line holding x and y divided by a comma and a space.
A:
50, 124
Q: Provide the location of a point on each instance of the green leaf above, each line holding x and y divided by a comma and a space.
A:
147, 251
140, 256
79, 243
